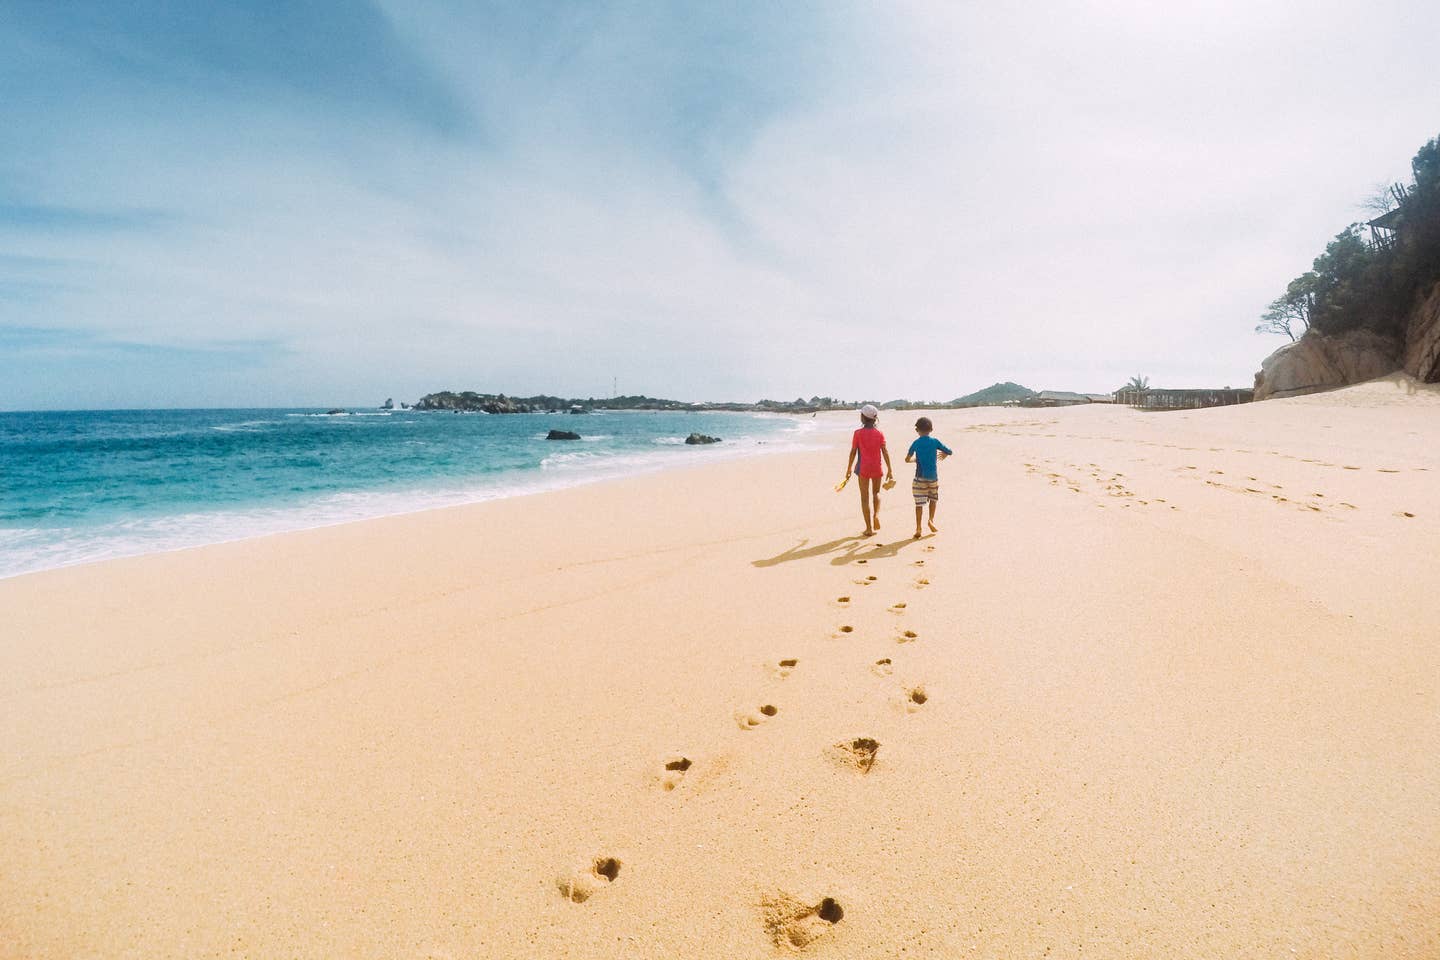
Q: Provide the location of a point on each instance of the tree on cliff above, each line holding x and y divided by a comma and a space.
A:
1354, 285
1420, 229
1290, 314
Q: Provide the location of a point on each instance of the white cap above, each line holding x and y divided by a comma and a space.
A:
869, 412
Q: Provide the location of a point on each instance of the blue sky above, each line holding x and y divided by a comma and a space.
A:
274, 203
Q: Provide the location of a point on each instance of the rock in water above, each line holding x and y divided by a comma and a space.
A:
334, 413
562, 435
696, 438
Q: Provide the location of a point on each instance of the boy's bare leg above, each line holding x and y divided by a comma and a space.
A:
919, 512
933, 528
865, 504
875, 513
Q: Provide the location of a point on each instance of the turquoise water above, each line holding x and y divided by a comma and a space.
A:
78, 486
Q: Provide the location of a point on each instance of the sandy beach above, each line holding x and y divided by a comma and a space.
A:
1164, 685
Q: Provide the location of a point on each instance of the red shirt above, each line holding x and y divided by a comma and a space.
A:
869, 440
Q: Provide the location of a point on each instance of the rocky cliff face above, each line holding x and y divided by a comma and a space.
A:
1422, 339
1318, 362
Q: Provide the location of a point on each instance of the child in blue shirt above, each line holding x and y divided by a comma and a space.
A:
924, 453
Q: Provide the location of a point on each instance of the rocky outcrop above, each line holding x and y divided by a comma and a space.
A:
470, 402
1422, 339
1318, 362
697, 438
562, 435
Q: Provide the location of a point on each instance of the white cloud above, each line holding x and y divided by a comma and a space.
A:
1063, 195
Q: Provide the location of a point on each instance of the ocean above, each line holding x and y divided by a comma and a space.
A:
79, 486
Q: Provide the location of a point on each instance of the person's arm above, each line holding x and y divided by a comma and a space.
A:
885, 452
850, 464
910, 454
944, 450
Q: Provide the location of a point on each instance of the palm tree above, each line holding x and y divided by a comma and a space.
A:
1139, 387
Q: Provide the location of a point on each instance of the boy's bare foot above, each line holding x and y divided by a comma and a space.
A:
868, 533
876, 521
933, 528
917, 535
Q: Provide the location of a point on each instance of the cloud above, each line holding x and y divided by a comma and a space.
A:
703, 202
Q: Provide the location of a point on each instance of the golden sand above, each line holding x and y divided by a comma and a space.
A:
1165, 685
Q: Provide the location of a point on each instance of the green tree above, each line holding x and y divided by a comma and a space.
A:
1353, 285
1290, 314
1418, 252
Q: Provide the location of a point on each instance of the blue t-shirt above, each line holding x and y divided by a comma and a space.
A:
924, 449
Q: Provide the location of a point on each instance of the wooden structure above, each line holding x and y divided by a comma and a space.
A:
1154, 399
1055, 398
1383, 228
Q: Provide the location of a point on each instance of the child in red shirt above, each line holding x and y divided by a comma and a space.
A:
868, 444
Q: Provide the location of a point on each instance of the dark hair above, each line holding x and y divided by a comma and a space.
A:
924, 425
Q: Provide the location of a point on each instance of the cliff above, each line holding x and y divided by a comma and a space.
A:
1319, 361
1421, 358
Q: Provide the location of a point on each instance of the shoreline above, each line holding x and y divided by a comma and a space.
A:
1162, 662
200, 528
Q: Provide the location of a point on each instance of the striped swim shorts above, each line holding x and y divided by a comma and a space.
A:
925, 491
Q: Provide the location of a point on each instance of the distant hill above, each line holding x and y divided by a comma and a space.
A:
996, 393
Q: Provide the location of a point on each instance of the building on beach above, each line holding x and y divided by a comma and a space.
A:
1155, 399
1055, 398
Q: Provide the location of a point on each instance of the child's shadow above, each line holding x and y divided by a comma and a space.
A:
802, 552
875, 551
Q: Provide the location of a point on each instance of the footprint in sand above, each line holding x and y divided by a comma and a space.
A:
917, 563
858, 754
915, 699
896, 608
842, 602
750, 719
784, 668
921, 584
792, 923
675, 772
842, 631
909, 636
883, 667
583, 884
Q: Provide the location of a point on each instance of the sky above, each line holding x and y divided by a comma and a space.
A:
331, 202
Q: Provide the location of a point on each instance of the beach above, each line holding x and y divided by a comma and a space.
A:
1164, 684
